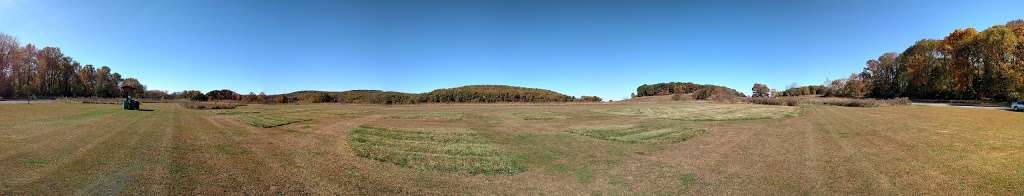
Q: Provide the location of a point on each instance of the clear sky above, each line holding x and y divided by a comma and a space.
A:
604, 48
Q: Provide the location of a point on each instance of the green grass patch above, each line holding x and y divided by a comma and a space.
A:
639, 134
455, 151
34, 162
429, 115
709, 112
687, 181
540, 115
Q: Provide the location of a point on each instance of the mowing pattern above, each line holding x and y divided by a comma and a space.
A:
540, 115
708, 111
268, 120
639, 134
429, 115
437, 150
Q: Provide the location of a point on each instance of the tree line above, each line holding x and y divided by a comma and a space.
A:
966, 64
463, 94
27, 71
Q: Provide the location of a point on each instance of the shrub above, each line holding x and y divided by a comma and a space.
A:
209, 105
677, 97
847, 102
867, 102
786, 101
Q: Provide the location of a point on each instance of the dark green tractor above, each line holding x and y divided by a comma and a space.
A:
130, 104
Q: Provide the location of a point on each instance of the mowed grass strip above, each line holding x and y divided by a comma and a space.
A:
268, 120
454, 151
707, 112
429, 116
639, 134
540, 115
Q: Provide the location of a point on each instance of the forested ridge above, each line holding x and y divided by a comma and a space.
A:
492, 94
27, 71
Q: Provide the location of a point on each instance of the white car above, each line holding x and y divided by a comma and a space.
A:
1017, 106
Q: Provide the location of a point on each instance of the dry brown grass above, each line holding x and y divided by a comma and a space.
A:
705, 111
94, 149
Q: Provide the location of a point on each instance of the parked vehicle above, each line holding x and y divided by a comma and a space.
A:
130, 104
1017, 106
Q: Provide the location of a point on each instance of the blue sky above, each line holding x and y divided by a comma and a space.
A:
604, 48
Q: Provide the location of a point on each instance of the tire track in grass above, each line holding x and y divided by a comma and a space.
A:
126, 171
62, 166
255, 148
934, 181
42, 134
708, 157
314, 169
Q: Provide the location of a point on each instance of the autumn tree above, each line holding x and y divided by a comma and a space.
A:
133, 86
26, 71
223, 94
8, 58
590, 99
192, 95
760, 90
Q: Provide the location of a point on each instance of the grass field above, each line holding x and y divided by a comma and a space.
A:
603, 149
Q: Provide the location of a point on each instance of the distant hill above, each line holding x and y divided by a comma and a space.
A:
695, 91
493, 94
462, 94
